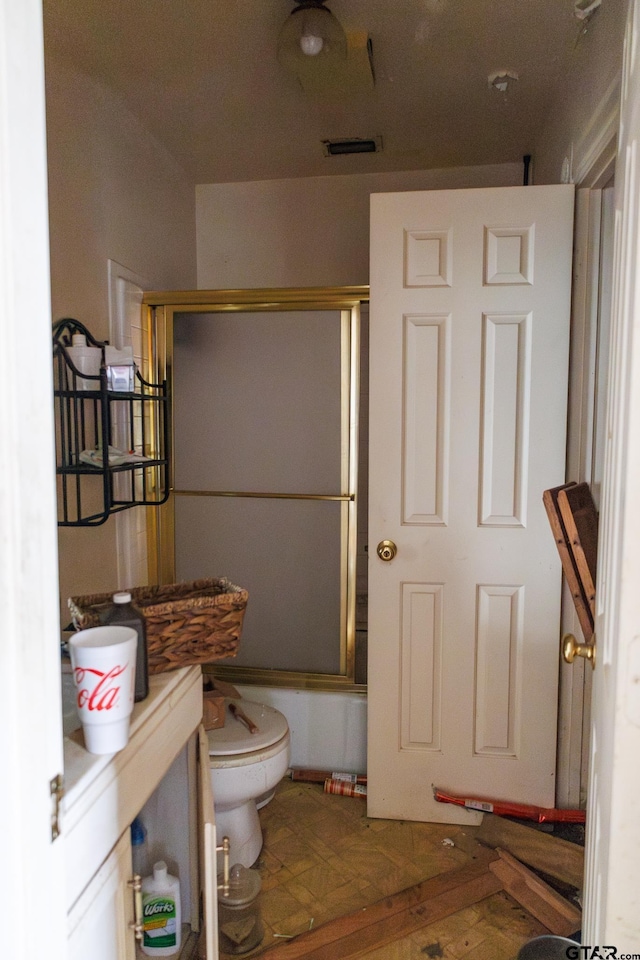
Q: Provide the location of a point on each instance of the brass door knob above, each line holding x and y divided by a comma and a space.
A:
386, 550
572, 649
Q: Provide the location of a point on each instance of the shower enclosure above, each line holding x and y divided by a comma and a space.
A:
265, 388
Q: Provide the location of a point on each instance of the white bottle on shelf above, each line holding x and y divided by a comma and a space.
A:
86, 360
161, 913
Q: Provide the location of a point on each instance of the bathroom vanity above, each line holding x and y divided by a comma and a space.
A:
103, 794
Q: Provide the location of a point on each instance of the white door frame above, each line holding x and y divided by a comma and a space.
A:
32, 876
612, 895
591, 162
131, 526
575, 681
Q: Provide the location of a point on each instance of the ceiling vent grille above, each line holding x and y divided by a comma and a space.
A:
338, 148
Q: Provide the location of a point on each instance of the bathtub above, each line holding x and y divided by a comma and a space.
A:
328, 730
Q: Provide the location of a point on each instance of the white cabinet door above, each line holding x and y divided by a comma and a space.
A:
98, 924
469, 338
208, 842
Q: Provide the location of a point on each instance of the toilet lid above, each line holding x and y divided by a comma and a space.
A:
235, 737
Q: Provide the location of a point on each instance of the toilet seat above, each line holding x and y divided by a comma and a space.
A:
235, 745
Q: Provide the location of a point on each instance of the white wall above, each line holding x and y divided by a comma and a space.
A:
584, 114
114, 192
307, 232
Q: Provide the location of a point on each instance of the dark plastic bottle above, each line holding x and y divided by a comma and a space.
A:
124, 613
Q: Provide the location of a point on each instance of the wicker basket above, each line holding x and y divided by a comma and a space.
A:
186, 623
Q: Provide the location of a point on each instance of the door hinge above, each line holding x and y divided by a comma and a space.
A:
56, 788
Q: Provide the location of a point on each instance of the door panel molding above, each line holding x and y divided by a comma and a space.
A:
506, 400
426, 402
421, 678
499, 641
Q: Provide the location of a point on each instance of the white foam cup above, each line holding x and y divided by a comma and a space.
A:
104, 672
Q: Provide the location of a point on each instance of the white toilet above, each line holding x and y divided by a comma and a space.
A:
245, 770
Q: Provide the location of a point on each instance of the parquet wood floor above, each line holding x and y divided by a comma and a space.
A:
324, 858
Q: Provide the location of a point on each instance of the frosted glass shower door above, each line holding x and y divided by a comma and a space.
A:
265, 477
286, 553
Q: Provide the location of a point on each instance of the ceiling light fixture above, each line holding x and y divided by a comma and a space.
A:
311, 33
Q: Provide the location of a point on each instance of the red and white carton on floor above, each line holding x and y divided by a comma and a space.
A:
104, 670
345, 789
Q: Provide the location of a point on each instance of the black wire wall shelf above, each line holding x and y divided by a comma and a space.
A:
112, 446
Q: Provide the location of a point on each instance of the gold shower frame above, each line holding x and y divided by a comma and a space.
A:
159, 310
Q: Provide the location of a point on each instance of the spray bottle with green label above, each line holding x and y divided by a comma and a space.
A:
161, 913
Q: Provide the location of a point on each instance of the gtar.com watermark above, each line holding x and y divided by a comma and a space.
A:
580, 952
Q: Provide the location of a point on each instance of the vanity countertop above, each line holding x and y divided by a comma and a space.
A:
103, 793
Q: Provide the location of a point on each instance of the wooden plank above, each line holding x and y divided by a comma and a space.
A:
557, 914
409, 921
580, 519
569, 565
542, 851
393, 917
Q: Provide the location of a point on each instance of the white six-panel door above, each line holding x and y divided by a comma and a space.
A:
470, 293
